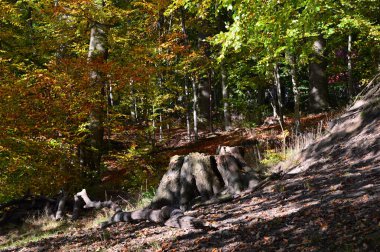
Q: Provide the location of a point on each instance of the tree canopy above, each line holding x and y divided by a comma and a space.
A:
160, 65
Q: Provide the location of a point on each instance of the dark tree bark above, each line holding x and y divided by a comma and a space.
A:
318, 85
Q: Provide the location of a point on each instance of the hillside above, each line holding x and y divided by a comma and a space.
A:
326, 201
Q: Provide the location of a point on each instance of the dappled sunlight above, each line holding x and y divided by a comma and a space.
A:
268, 113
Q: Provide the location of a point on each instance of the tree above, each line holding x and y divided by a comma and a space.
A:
318, 89
90, 151
225, 95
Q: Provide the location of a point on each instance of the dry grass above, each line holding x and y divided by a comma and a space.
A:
297, 144
33, 229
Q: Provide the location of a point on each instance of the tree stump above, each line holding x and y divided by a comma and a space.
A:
187, 178
228, 167
198, 177
168, 192
237, 152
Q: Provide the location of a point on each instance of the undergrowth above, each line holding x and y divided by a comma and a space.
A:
288, 154
37, 228
33, 229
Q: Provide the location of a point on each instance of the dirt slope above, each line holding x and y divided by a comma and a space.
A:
329, 201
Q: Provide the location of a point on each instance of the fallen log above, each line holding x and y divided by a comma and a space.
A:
169, 216
98, 204
172, 217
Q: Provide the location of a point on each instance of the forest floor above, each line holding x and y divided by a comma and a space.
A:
327, 201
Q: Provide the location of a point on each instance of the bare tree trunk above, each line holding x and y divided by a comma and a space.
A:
133, 107
318, 88
61, 206
274, 107
279, 93
136, 109
109, 104
183, 26
187, 111
160, 134
210, 102
160, 128
90, 151
296, 92
153, 129
195, 107
76, 208
225, 94
183, 23
350, 84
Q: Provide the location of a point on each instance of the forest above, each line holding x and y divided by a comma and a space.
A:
102, 94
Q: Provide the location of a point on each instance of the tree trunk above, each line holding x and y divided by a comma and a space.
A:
280, 106
195, 107
318, 85
160, 137
90, 151
61, 206
350, 84
76, 208
188, 128
225, 96
153, 137
133, 107
211, 128
274, 107
296, 92
183, 23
